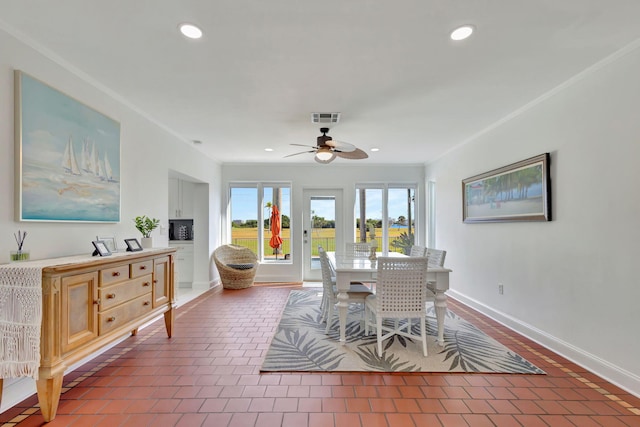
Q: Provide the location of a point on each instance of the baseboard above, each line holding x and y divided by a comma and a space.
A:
608, 371
205, 285
15, 391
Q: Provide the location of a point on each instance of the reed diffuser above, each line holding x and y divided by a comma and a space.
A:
20, 254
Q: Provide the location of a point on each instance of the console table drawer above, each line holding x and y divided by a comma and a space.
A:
122, 314
114, 274
111, 296
141, 268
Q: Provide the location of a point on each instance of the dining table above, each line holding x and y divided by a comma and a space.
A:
349, 268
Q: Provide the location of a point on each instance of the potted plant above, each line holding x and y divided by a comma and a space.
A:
146, 225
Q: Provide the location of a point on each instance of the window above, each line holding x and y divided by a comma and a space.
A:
252, 212
387, 214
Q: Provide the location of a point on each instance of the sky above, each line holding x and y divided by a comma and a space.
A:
244, 204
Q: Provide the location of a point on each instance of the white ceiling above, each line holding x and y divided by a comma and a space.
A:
264, 66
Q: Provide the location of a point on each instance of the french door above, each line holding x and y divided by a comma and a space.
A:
322, 226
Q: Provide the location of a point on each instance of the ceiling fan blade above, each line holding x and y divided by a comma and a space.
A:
304, 145
302, 152
341, 146
356, 154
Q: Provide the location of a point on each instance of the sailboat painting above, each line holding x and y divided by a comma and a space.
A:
67, 157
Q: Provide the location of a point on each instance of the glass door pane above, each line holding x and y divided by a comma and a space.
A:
321, 228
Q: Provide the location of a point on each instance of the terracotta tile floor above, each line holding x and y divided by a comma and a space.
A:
208, 375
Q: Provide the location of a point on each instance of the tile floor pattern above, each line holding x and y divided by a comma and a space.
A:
208, 375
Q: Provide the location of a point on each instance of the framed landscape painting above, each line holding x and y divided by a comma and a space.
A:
67, 157
517, 192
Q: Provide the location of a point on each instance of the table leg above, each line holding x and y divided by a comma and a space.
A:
441, 309
343, 307
343, 280
49, 390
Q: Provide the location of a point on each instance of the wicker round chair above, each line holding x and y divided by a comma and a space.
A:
237, 266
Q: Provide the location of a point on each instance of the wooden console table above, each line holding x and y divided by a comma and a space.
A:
89, 302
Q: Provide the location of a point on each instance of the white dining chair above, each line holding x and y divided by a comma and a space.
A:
401, 295
436, 257
417, 250
357, 249
357, 291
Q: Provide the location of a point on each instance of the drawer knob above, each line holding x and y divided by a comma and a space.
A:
111, 296
111, 319
146, 284
97, 302
115, 273
143, 267
146, 303
155, 280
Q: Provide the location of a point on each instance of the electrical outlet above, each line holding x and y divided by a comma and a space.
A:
500, 289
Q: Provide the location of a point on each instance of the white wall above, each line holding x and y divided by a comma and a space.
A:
147, 154
342, 174
570, 283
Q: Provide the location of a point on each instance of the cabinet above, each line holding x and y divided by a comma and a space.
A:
181, 199
163, 272
184, 262
91, 302
79, 319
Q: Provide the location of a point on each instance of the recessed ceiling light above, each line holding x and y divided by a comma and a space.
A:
191, 31
375, 149
462, 32
268, 149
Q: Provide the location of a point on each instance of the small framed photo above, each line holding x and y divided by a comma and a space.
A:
110, 242
133, 245
101, 248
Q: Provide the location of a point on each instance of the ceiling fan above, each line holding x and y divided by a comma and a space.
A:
326, 149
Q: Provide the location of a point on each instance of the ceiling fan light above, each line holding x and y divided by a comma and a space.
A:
324, 155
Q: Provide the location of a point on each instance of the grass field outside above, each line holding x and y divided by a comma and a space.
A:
324, 237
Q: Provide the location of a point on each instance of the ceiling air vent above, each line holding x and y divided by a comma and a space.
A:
325, 117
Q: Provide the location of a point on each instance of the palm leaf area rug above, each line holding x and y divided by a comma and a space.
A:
300, 344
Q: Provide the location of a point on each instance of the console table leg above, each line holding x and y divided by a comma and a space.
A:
168, 321
49, 390
1, 385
